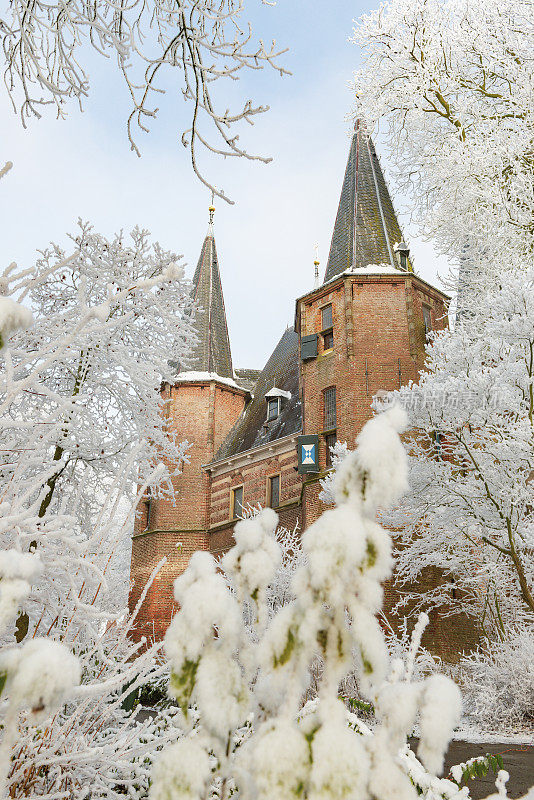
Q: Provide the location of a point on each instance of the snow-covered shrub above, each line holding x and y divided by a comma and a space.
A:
404, 642
241, 695
36, 678
12, 317
498, 683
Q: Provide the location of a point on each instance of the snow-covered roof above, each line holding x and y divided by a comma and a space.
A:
275, 392
251, 430
366, 225
377, 269
193, 377
371, 269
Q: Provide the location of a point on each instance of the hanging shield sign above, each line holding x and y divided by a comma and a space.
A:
308, 454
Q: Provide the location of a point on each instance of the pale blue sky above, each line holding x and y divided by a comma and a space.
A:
83, 167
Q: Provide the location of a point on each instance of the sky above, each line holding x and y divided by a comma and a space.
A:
82, 167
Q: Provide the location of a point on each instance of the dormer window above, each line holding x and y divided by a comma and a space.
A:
273, 408
403, 252
274, 399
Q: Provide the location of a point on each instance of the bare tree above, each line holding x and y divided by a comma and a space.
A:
46, 42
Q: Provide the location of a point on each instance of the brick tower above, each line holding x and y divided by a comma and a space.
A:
202, 405
363, 330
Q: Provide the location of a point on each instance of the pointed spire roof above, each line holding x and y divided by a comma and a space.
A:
366, 228
212, 352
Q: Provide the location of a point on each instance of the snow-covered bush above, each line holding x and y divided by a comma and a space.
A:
36, 678
12, 317
241, 695
498, 683
81, 435
404, 642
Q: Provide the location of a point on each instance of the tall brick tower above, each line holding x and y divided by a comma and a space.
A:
364, 329
202, 405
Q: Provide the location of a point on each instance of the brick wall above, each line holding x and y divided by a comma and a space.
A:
254, 477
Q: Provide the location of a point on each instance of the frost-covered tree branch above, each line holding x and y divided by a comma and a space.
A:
201, 44
453, 82
82, 435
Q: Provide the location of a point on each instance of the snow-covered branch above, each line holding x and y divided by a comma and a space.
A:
82, 436
201, 44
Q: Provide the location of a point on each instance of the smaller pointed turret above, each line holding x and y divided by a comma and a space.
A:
212, 352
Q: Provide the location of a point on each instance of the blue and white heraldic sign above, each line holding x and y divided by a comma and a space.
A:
308, 454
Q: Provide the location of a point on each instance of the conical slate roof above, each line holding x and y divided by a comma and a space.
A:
212, 351
366, 228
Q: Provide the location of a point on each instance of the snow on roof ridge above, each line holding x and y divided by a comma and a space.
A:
192, 376
374, 268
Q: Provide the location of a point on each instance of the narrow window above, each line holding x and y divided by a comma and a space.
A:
438, 446
427, 319
330, 440
237, 502
329, 404
274, 491
273, 408
148, 508
327, 327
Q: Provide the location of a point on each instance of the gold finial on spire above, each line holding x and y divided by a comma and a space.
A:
212, 207
316, 265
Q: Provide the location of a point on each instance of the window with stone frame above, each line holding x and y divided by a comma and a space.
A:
427, 319
330, 440
327, 327
236, 503
274, 491
329, 409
